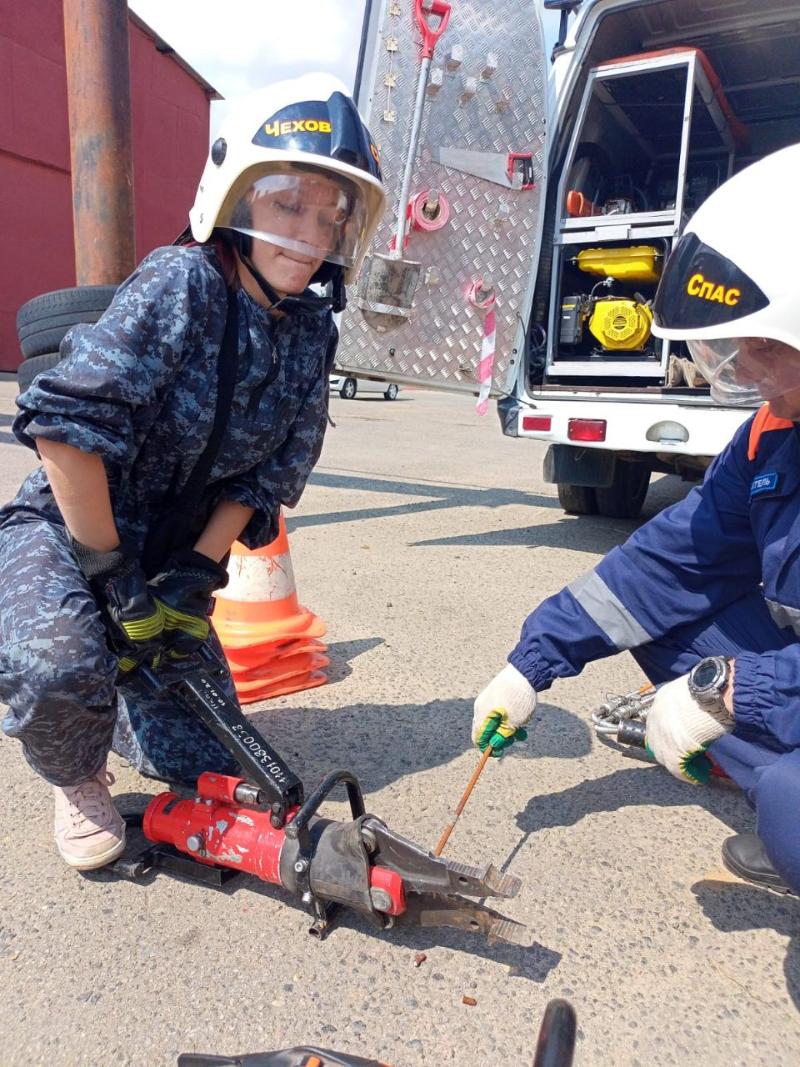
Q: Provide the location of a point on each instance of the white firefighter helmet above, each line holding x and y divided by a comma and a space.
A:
730, 288
296, 148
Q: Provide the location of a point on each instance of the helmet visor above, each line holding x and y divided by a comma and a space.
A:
311, 212
747, 370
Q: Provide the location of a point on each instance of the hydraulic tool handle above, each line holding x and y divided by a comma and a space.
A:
430, 36
199, 691
463, 802
632, 732
556, 1044
298, 827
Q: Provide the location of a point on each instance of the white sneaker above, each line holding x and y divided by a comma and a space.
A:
89, 830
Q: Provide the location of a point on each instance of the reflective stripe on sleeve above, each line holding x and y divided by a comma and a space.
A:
783, 615
608, 612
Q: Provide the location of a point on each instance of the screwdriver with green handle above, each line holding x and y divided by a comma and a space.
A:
493, 740
501, 709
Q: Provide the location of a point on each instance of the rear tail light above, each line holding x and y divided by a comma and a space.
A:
537, 422
586, 429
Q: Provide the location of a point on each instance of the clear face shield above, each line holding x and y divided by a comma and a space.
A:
747, 370
308, 211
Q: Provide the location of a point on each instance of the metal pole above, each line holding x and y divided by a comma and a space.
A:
405, 188
366, 25
99, 96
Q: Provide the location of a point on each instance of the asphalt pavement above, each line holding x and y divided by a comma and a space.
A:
423, 540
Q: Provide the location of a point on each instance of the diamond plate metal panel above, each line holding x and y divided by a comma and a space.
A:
487, 94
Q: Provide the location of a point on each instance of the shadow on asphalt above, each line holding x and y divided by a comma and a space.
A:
382, 744
728, 906
342, 653
630, 787
589, 533
732, 908
440, 497
533, 962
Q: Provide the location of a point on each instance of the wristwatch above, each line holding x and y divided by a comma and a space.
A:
708, 681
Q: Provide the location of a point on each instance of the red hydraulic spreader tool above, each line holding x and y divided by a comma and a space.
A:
262, 824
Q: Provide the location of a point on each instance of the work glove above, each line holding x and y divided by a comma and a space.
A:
134, 620
501, 710
679, 730
183, 591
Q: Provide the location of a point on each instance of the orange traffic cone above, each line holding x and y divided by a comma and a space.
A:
245, 661
265, 691
285, 676
269, 639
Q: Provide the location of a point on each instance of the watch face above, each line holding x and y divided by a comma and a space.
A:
706, 674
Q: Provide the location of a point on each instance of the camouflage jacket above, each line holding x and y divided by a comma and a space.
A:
139, 389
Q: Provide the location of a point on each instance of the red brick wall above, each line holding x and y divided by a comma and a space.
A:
169, 110
170, 113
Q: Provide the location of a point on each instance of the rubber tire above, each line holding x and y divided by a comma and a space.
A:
577, 499
625, 497
43, 321
349, 389
28, 370
391, 392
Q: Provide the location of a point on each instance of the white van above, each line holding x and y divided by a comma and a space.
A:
565, 186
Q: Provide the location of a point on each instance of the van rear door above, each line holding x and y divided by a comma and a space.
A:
476, 194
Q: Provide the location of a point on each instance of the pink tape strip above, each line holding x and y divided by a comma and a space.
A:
418, 219
488, 343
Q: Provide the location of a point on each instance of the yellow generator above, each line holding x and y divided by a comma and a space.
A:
637, 263
620, 324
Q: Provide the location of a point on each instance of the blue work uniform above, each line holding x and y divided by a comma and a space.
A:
716, 574
139, 389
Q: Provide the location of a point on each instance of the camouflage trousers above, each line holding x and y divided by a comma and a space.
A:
59, 678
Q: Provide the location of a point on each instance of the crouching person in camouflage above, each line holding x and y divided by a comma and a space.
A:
178, 423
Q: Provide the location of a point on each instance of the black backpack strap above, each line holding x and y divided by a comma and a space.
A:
227, 367
176, 526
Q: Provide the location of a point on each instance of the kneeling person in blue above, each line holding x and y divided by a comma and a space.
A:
706, 596
179, 423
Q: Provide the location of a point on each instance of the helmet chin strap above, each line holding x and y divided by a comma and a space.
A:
290, 304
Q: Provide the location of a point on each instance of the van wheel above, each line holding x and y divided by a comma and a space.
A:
625, 497
391, 392
349, 389
43, 321
577, 499
28, 370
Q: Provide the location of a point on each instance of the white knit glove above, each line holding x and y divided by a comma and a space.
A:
502, 709
679, 730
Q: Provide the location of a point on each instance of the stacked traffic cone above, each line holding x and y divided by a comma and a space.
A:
270, 640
